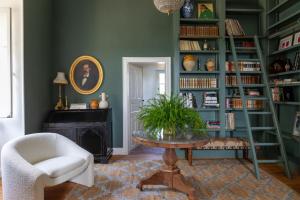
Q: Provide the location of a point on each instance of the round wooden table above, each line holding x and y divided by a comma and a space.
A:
170, 174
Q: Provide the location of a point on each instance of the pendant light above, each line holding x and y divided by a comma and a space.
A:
168, 6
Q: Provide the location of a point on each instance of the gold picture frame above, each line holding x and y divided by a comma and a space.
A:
86, 75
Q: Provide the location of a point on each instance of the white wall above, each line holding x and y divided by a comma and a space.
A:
14, 127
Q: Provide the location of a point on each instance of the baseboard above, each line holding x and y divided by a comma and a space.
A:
119, 151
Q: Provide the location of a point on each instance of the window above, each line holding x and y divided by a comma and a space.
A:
5, 64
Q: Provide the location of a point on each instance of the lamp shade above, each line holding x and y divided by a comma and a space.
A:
60, 79
168, 6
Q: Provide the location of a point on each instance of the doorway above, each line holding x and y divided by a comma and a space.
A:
143, 79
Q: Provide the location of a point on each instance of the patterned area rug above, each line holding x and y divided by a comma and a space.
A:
213, 180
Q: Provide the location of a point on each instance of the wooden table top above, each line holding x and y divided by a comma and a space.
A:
171, 142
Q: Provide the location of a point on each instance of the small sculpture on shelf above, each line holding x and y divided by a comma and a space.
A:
210, 65
287, 65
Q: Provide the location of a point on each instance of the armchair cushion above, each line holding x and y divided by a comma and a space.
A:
58, 166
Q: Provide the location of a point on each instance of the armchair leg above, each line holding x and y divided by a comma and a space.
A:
86, 178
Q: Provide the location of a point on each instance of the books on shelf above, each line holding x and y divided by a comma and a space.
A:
210, 100
189, 100
197, 83
232, 80
243, 66
187, 45
199, 31
234, 28
230, 121
210, 124
237, 103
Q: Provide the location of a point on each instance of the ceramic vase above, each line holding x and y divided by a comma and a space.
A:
189, 62
187, 9
94, 104
103, 103
210, 65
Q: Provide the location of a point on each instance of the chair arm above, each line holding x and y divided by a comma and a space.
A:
20, 179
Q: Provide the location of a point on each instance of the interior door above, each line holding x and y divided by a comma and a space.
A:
135, 100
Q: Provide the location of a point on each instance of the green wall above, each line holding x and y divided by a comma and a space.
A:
108, 30
37, 62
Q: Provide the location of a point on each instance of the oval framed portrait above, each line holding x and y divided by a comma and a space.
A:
86, 75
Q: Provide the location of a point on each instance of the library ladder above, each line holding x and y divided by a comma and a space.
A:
271, 111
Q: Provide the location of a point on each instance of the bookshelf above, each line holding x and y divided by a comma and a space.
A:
283, 20
250, 16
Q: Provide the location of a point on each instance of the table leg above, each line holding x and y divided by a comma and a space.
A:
169, 176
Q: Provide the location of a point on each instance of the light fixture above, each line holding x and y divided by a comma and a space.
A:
168, 6
60, 80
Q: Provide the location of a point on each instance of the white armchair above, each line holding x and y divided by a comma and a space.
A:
35, 161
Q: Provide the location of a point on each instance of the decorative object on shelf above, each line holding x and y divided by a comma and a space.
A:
206, 11
230, 121
86, 75
296, 129
173, 108
187, 9
78, 106
189, 100
94, 104
60, 80
275, 94
286, 42
189, 62
296, 38
296, 65
103, 103
277, 66
210, 65
205, 45
288, 65
168, 6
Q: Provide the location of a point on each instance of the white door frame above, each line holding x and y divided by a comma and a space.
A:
126, 62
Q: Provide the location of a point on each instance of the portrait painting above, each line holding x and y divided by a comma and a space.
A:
206, 11
86, 75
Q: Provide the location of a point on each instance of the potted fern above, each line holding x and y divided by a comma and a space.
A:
170, 115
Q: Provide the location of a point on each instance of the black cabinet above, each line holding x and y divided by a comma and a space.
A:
90, 129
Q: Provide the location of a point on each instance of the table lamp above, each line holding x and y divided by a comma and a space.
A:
60, 80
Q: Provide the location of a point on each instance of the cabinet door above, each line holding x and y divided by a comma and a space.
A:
93, 139
67, 132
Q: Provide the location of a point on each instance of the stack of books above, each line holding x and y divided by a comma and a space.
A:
187, 45
233, 27
210, 100
197, 83
199, 31
243, 66
213, 124
232, 80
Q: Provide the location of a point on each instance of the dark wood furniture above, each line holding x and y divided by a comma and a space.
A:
170, 174
90, 129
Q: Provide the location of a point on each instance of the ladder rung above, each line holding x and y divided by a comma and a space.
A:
269, 161
262, 128
260, 113
245, 48
256, 98
248, 59
266, 144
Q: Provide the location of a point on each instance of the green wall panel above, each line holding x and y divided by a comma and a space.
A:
108, 30
37, 62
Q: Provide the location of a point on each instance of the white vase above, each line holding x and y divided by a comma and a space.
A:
103, 103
